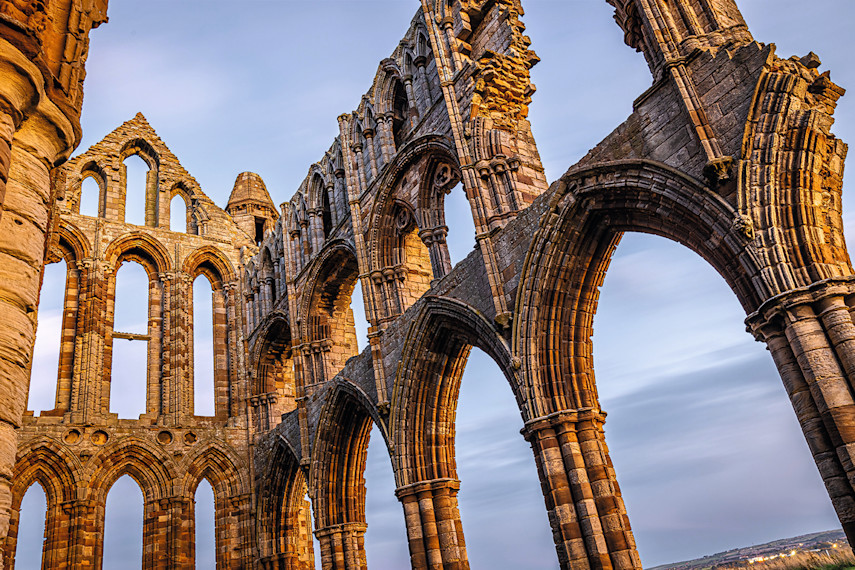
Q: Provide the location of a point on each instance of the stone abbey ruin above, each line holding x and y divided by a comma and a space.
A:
729, 153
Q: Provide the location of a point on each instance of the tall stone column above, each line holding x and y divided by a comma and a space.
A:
23, 226
434, 529
583, 501
811, 336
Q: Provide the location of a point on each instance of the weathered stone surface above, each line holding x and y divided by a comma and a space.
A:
729, 153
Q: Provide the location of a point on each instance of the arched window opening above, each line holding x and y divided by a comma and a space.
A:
123, 525
326, 213
136, 183
493, 460
259, 230
386, 536
129, 372
90, 197
31, 528
49, 335
709, 398
357, 306
400, 114
203, 347
461, 225
206, 541
178, 214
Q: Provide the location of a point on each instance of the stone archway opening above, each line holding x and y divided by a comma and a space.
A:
123, 525
709, 395
31, 528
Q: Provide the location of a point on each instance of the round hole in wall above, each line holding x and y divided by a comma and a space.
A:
164, 438
190, 438
71, 437
99, 437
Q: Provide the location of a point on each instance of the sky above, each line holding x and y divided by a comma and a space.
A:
707, 450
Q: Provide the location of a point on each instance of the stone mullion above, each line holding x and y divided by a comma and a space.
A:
423, 78
372, 152
813, 427
235, 519
236, 386
221, 359
82, 341
387, 140
609, 504
179, 346
70, 315
360, 166
155, 348
434, 529
435, 240
316, 230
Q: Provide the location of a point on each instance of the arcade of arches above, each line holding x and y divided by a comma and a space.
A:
744, 172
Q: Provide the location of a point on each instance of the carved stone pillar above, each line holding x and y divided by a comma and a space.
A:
360, 166
583, 500
435, 240
343, 546
372, 152
811, 335
434, 530
82, 533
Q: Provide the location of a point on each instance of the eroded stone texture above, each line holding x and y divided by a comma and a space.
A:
729, 152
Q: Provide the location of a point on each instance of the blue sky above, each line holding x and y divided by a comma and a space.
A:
706, 447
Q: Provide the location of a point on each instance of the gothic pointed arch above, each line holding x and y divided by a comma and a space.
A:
145, 463
211, 262
283, 524
569, 256
140, 247
424, 399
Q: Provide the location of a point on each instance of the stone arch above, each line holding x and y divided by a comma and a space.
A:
326, 320
146, 151
273, 388
422, 423
283, 525
45, 461
336, 477
555, 305
569, 256
211, 262
140, 247
147, 465
72, 244
401, 263
215, 462
181, 189
94, 170
424, 400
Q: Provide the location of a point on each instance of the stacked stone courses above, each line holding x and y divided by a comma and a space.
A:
729, 152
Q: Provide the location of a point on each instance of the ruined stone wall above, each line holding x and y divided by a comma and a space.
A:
729, 153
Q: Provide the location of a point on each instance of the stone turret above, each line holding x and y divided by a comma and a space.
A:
251, 207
